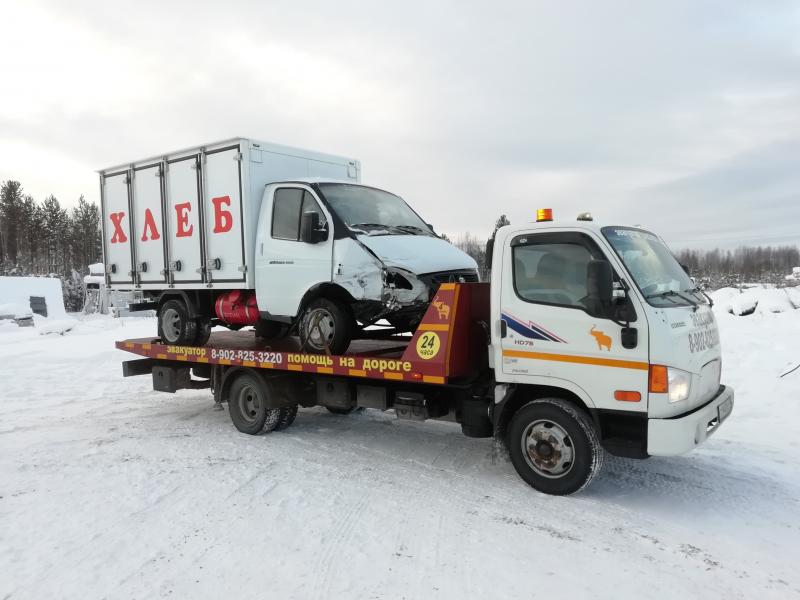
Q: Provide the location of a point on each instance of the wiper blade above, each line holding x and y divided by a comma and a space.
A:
670, 293
413, 228
698, 290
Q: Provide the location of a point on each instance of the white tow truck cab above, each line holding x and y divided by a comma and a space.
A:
607, 316
242, 232
587, 338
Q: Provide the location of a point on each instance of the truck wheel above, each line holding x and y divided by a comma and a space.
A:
174, 324
203, 331
247, 406
554, 446
286, 418
326, 326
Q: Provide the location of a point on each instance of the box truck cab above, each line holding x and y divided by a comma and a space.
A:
242, 233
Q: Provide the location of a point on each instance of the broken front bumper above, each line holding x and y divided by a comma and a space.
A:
683, 433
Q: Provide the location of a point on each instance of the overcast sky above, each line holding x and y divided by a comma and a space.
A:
683, 117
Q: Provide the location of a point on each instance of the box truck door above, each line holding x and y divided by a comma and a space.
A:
183, 219
286, 267
224, 223
552, 330
117, 228
148, 219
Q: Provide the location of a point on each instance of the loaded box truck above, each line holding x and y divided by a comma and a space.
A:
587, 339
242, 232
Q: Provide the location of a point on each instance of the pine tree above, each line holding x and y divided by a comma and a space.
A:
10, 211
53, 222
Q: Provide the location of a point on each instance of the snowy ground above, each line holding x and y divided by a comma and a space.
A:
109, 490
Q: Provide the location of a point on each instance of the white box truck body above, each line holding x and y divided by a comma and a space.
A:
188, 219
242, 232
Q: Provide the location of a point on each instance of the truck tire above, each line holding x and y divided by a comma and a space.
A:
326, 326
286, 418
247, 406
203, 331
554, 446
175, 326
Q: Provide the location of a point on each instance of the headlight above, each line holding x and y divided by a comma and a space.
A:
680, 383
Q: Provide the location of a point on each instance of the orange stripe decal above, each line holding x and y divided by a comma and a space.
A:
447, 286
357, 372
202, 359
433, 327
581, 360
248, 363
397, 376
224, 361
327, 370
266, 365
432, 379
295, 367
161, 356
181, 357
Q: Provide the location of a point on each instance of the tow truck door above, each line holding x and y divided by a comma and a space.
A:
549, 337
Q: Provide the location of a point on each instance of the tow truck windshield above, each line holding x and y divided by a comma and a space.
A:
372, 211
660, 277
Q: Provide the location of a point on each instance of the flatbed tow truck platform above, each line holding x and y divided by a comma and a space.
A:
446, 353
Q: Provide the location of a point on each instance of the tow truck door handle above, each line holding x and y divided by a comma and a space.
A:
503, 328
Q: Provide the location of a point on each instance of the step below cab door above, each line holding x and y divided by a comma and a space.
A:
286, 267
550, 332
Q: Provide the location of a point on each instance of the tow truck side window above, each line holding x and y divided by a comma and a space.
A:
551, 268
287, 209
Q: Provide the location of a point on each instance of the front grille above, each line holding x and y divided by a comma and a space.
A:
434, 280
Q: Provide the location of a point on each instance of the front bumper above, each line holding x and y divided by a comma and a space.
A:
683, 433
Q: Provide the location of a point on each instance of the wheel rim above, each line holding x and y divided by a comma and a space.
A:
320, 328
171, 324
249, 404
548, 449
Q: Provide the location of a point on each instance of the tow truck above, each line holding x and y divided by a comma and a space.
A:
586, 339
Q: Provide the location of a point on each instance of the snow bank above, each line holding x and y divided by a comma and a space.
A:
757, 299
18, 291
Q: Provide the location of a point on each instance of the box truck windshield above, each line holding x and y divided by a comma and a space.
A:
372, 210
660, 277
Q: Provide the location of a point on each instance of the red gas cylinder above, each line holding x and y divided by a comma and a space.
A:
237, 307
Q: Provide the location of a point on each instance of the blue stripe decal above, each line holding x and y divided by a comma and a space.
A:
530, 329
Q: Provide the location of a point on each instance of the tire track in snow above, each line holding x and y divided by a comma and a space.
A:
339, 536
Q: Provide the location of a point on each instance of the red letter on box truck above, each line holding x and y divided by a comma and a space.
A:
182, 212
150, 223
119, 235
223, 220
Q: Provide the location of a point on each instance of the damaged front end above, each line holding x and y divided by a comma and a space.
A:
382, 291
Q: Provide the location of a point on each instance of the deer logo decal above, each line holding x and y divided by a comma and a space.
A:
442, 309
603, 340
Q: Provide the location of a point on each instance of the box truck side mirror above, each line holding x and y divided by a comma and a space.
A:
310, 231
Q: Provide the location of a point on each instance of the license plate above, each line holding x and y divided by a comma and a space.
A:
724, 410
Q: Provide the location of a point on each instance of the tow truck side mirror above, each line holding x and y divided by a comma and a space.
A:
310, 233
600, 282
489, 252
